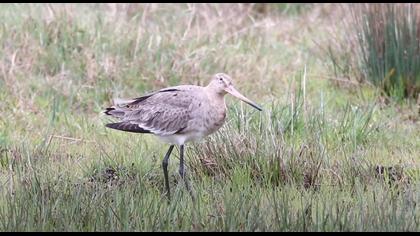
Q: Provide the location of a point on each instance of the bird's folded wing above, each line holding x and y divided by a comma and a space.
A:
163, 113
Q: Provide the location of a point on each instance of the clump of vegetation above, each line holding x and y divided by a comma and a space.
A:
382, 47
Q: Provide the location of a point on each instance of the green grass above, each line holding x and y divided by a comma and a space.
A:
381, 47
391, 56
306, 163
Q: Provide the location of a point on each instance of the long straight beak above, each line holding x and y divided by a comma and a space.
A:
237, 94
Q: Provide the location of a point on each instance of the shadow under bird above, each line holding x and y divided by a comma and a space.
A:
177, 115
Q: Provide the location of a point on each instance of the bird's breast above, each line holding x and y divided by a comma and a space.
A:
220, 119
215, 119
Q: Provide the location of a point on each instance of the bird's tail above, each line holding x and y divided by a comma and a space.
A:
118, 110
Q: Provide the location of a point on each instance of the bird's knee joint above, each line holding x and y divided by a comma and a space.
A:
182, 173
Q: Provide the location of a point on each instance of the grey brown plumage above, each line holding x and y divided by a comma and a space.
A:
164, 112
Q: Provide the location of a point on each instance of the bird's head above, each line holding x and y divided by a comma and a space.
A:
222, 83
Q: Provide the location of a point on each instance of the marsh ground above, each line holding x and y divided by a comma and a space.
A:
308, 162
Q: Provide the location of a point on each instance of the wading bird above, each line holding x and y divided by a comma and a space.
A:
177, 115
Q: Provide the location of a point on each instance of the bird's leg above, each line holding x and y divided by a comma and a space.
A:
181, 161
165, 163
182, 171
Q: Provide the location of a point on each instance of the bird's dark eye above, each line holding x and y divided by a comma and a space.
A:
221, 79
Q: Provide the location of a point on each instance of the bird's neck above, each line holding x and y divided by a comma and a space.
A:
216, 99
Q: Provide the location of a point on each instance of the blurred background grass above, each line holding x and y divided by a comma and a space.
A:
308, 162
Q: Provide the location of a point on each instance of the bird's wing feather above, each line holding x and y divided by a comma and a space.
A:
164, 112
127, 126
